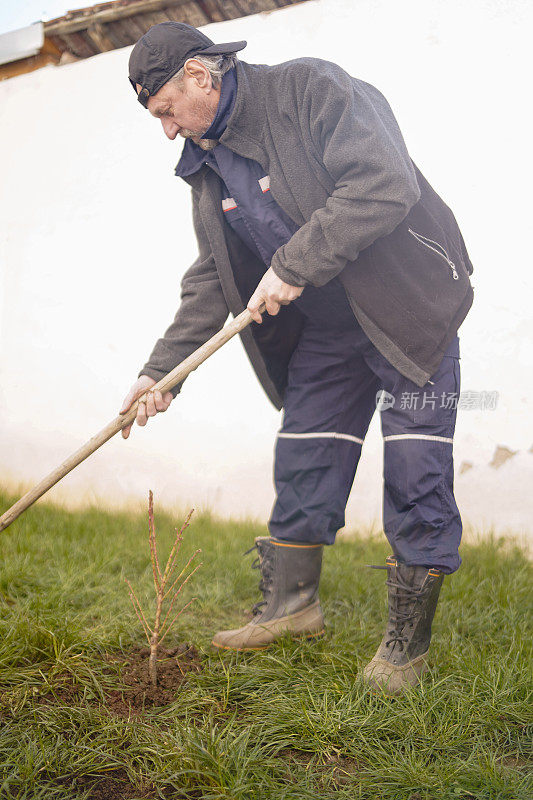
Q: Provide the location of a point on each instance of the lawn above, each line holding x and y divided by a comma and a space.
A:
291, 722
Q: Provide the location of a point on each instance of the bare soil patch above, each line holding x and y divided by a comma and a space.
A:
137, 692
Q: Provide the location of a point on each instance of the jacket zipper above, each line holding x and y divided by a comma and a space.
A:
437, 248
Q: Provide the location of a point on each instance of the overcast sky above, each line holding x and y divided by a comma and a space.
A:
19, 13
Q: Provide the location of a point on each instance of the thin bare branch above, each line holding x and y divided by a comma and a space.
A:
173, 557
153, 543
179, 538
177, 593
174, 582
175, 618
138, 610
139, 614
169, 611
136, 602
153, 559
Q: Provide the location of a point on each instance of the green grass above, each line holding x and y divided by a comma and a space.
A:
292, 722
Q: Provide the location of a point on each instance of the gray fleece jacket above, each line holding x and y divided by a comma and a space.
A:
340, 169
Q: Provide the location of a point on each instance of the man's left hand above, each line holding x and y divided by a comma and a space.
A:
274, 293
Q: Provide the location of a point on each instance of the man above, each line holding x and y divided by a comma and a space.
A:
305, 199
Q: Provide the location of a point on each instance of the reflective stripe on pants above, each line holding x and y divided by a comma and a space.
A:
334, 377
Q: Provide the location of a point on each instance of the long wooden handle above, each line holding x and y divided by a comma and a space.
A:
177, 375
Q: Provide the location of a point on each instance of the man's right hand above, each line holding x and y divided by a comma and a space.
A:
155, 402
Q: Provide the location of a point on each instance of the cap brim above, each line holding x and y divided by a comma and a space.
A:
221, 49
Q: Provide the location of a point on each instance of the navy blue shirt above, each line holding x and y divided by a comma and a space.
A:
253, 213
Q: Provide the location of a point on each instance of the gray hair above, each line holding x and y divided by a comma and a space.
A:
217, 66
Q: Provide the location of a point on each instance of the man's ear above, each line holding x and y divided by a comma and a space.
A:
201, 74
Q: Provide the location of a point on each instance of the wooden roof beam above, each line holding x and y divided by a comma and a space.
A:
98, 37
63, 26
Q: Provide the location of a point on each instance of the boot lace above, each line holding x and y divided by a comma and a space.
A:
265, 563
404, 606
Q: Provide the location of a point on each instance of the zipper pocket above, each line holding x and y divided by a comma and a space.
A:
437, 248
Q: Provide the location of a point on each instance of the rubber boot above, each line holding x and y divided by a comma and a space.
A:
401, 657
290, 573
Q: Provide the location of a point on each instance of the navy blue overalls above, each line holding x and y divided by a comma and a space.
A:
336, 377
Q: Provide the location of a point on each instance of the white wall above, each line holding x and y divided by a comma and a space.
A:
96, 233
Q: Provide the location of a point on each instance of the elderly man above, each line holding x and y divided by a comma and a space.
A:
305, 200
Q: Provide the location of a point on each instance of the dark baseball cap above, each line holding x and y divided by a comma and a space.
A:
162, 52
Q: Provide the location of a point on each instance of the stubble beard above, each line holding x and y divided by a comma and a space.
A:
206, 117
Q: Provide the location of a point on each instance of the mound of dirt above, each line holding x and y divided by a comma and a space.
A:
138, 694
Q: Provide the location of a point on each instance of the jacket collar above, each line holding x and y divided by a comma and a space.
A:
244, 132
239, 121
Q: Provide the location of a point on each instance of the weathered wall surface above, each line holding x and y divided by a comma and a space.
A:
96, 233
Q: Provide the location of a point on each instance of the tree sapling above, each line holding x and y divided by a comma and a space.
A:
166, 586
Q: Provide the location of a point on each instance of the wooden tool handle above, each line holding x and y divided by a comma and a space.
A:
177, 375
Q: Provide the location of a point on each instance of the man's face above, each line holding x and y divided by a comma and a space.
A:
187, 109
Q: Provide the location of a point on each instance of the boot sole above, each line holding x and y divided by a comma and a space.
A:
301, 637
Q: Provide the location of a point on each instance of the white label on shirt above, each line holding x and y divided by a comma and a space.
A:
264, 183
228, 204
